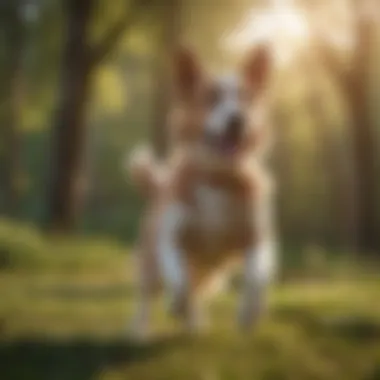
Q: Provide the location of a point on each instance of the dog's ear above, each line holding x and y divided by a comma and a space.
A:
187, 70
257, 67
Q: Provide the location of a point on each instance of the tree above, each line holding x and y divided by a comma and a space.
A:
79, 63
353, 81
13, 30
341, 189
168, 40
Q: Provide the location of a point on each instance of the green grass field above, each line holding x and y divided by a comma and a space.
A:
64, 309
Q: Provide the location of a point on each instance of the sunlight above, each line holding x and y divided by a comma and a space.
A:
290, 28
281, 24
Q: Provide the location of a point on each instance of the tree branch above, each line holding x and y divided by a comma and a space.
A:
116, 31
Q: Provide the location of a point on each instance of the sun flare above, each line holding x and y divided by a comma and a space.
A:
282, 25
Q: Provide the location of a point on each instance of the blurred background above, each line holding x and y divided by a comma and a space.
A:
83, 82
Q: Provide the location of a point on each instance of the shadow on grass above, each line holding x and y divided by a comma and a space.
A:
73, 360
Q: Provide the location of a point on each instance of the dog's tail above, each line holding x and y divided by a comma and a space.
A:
144, 172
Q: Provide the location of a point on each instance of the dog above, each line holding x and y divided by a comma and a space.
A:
210, 202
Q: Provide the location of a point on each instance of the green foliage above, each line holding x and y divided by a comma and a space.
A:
122, 109
111, 94
42, 56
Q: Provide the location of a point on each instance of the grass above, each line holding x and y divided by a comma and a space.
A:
25, 249
64, 317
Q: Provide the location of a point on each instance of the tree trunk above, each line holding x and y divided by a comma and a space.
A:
171, 19
69, 132
364, 161
363, 132
354, 84
79, 62
14, 33
341, 184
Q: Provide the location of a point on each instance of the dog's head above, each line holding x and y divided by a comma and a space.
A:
222, 117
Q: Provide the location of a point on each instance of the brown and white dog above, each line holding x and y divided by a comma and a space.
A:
210, 202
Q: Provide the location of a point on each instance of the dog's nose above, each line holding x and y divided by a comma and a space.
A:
235, 125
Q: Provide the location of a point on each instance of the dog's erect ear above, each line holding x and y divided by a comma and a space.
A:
257, 67
187, 70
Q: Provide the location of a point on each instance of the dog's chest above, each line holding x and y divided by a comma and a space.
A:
212, 207
219, 222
